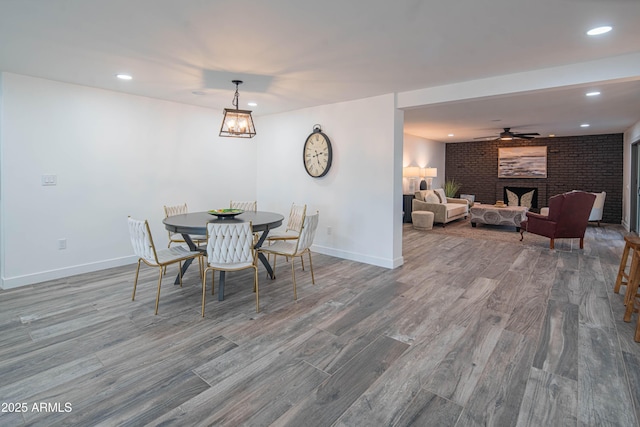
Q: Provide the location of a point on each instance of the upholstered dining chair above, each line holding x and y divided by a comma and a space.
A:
245, 206
145, 250
230, 248
294, 225
177, 237
296, 248
567, 219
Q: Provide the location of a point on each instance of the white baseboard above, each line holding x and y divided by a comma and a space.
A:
352, 256
30, 279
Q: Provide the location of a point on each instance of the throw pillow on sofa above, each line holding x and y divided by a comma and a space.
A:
431, 197
441, 195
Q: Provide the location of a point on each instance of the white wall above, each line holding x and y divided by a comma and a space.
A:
360, 199
114, 155
423, 153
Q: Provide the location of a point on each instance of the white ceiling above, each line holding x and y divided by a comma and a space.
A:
300, 53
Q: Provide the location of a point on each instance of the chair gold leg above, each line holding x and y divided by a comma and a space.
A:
158, 294
256, 288
204, 290
313, 279
213, 281
293, 275
135, 282
302, 262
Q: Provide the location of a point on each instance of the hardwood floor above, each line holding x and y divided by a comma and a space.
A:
468, 332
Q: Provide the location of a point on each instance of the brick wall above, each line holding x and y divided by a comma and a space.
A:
589, 163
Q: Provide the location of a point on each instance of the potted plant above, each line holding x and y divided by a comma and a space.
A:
451, 187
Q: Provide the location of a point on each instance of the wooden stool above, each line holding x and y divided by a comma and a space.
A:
631, 243
633, 300
422, 220
631, 296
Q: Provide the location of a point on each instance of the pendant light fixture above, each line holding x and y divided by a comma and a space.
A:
237, 123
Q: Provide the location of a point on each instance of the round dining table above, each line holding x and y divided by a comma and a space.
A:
195, 223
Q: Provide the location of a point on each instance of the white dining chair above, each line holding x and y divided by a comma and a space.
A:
245, 206
145, 250
294, 225
230, 248
177, 237
296, 248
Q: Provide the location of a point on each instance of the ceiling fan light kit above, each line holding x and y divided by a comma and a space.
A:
507, 135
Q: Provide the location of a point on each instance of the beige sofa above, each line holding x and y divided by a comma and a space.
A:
445, 209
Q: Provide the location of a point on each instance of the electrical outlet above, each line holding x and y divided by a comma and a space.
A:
62, 243
49, 179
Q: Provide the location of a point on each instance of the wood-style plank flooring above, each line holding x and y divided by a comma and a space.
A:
468, 332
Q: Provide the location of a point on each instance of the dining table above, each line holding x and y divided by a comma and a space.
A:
195, 223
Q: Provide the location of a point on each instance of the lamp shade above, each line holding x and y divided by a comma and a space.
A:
411, 172
430, 172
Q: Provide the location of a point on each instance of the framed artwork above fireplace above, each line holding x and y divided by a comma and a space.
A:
522, 162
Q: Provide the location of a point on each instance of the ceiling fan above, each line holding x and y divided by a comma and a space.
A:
507, 135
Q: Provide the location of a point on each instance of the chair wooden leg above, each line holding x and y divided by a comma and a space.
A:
180, 272
135, 282
637, 337
632, 288
158, 294
633, 272
621, 269
552, 244
582, 243
521, 234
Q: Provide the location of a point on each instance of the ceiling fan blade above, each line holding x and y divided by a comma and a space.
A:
486, 137
526, 134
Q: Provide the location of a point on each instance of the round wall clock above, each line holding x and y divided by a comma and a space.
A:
317, 153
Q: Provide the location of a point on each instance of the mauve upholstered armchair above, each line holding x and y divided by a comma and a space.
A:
568, 218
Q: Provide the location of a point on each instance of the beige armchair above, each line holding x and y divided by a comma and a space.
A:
445, 209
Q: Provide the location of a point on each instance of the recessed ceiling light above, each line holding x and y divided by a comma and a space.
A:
596, 93
252, 104
124, 76
599, 30
451, 134
551, 135
584, 125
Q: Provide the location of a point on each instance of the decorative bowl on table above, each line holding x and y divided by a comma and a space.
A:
225, 213
500, 204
